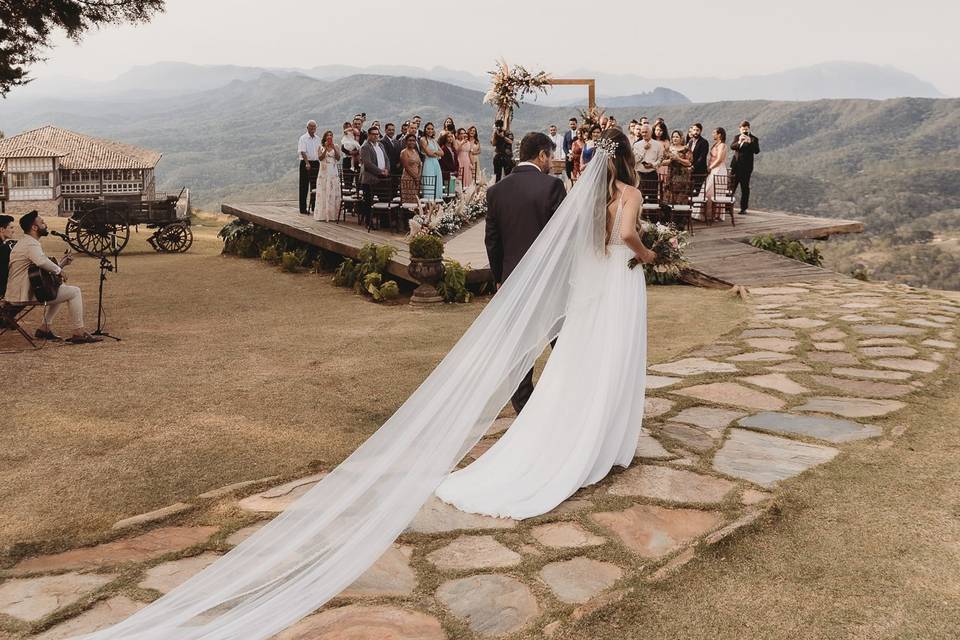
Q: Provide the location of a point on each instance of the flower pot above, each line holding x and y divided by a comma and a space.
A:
428, 273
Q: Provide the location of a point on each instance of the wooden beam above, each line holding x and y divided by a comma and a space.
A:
590, 83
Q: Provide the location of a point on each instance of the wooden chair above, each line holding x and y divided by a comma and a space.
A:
681, 204
385, 202
722, 198
11, 316
698, 198
428, 186
409, 209
349, 196
650, 210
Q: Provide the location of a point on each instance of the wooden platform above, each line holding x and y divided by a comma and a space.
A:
718, 254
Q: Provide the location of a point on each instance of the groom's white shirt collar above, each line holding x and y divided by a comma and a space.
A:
529, 164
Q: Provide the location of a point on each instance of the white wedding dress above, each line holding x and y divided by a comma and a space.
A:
584, 417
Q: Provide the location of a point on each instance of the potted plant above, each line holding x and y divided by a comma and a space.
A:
426, 267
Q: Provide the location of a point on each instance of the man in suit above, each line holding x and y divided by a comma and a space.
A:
700, 149
6, 243
374, 167
518, 208
393, 145
568, 139
745, 147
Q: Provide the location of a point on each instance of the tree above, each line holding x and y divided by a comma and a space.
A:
26, 27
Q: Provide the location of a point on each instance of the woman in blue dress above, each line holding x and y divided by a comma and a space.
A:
432, 186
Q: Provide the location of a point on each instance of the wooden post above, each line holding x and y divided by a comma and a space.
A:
590, 83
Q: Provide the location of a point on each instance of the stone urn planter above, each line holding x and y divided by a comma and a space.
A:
428, 272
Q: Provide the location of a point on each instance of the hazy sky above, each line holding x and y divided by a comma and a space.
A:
919, 37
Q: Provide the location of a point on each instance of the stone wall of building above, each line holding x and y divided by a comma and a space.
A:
50, 208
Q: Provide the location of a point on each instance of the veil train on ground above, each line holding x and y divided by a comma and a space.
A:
325, 540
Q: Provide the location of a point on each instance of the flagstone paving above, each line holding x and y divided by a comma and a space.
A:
800, 381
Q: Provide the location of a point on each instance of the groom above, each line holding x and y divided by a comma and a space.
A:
518, 208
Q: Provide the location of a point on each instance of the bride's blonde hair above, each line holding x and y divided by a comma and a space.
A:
620, 163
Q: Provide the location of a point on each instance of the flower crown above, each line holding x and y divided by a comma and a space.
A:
607, 145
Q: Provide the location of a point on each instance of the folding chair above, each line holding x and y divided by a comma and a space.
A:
650, 210
349, 197
12, 314
681, 206
384, 195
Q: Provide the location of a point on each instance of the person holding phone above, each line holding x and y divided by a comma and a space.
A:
745, 147
649, 154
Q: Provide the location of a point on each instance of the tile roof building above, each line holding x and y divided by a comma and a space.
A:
49, 168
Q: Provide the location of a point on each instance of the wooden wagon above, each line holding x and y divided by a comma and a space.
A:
102, 227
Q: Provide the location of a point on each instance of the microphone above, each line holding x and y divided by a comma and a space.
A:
60, 235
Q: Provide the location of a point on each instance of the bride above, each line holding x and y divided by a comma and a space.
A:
583, 418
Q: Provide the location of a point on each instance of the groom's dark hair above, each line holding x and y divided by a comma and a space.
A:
533, 143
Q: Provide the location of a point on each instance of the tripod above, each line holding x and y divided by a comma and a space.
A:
105, 266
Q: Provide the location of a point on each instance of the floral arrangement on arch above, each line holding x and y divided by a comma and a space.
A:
591, 115
510, 86
442, 219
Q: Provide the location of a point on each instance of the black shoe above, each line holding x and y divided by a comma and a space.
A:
743, 213
304, 213
47, 335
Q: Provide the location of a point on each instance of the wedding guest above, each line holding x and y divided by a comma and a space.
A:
604, 121
576, 153
612, 123
359, 132
716, 167
431, 175
502, 141
559, 157
393, 147
412, 166
375, 167
6, 238
700, 149
643, 120
661, 135
416, 120
745, 147
449, 127
678, 159
632, 134
449, 164
590, 146
307, 148
473, 137
568, 139
464, 159
350, 149
401, 138
328, 182
648, 153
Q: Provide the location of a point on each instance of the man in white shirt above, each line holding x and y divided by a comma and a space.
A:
559, 158
28, 252
308, 149
648, 153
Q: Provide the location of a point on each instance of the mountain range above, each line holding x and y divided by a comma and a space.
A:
822, 81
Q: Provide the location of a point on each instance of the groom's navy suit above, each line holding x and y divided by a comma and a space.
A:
518, 208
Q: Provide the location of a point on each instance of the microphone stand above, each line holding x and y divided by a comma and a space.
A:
105, 266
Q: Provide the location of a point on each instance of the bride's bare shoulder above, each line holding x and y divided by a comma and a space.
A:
630, 194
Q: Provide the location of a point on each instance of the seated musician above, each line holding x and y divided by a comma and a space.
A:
29, 252
6, 244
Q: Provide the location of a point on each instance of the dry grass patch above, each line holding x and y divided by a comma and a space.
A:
228, 371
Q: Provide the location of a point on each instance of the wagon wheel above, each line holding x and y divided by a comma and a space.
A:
174, 238
98, 238
71, 233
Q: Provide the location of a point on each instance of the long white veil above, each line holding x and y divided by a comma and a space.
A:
332, 534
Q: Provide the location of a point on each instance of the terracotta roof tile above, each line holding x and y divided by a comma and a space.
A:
77, 150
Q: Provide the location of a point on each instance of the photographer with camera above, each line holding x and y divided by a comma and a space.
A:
28, 252
745, 147
502, 142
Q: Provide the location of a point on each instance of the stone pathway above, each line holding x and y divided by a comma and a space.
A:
815, 369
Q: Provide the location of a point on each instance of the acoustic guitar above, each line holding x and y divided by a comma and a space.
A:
44, 284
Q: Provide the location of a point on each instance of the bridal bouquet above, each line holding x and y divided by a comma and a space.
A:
667, 242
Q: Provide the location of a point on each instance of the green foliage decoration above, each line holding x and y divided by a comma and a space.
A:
426, 247
793, 249
453, 287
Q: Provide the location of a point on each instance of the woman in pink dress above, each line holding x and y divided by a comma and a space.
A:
464, 159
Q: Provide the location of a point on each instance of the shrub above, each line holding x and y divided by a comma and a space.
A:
271, 254
290, 262
346, 274
390, 290
453, 287
793, 249
426, 247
